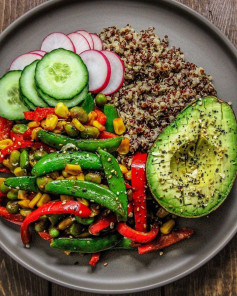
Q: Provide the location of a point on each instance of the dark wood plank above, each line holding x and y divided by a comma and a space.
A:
15, 280
218, 277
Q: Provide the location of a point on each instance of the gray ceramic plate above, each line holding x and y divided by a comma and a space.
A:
202, 44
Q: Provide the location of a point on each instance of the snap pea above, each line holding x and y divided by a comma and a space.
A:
24, 159
23, 183
57, 141
84, 221
19, 128
88, 104
115, 179
86, 245
125, 244
57, 161
87, 190
111, 113
39, 154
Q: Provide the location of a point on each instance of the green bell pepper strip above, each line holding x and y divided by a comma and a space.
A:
125, 244
88, 104
85, 221
58, 160
115, 179
87, 190
111, 113
23, 183
86, 245
58, 141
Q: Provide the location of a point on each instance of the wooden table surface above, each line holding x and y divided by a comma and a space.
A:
218, 277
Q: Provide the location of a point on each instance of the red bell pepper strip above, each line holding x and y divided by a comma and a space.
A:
16, 138
166, 240
2, 195
14, 146
94, 259
107, 135
39, 113
130, 209
137, 236
102, 223
45, 235
56, 207
14, 218
101, 117
5, 128
4, 170
128, 186
138, 169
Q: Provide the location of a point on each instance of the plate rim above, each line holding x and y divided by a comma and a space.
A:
224, 39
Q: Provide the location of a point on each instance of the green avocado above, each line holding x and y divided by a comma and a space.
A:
192, 165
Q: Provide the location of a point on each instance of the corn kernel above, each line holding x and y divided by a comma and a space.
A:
78, 125
167, 227
22, 194
6, 163
35, 200
33, 124
95, 210
65, 174
162, 213
60, 178
61, 110
50, 122
66, 197
34, 133
91, 117
119, 126
128, 175
72, 178
54, 175
67, 253
124, 146
83, 201
5, 143
73, 169
123, 169
24, 203
60, 126
65, 223
2, 180
19, 172
81, 177
43, 200
98, 125
105, 186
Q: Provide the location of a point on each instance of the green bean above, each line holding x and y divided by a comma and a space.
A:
39, 154
75, 229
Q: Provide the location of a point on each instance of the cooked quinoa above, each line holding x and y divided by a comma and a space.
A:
158, 84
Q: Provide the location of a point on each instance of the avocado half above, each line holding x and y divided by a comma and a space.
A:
192, 165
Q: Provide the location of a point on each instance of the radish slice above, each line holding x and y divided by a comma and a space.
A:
24, 60
117, 73
80, 42
87, 36
98, 67
40, 52
98, 45
57, 40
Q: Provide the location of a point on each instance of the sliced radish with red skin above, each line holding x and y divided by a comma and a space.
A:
57, 40
99, 69
24, 60
117, 73
79, 41
98, 45
87, 36
40, 52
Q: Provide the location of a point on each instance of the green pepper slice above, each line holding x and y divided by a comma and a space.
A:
115, 179
57, 161
23, 183
88, 104
85, 221
86, 245
111, 113
87, 190
58, 141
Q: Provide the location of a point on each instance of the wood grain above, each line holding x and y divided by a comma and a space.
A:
216, 278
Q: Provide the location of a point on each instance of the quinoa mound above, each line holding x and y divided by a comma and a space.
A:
158, 84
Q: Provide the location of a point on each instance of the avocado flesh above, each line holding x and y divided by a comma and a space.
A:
192, 165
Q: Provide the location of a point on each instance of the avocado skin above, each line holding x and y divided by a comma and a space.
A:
209, 121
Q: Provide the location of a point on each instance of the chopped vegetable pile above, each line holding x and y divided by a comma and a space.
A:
65, 180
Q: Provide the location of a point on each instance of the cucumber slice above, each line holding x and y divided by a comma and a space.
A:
28, 87
61, 74
28, 103
12, 106
69, 103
